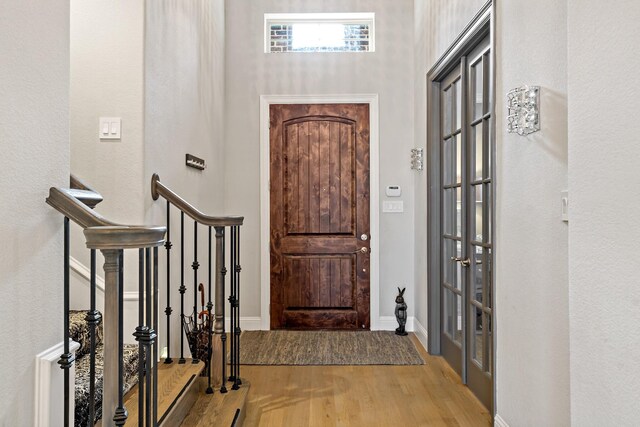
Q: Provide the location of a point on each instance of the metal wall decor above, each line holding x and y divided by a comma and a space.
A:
195, 162
417, 159
523, 116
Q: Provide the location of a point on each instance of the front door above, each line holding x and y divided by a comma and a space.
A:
319, 208
466, 217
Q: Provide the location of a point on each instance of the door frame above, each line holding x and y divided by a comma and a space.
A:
374, 185
481, 26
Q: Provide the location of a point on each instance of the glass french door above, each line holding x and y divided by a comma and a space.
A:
466, 221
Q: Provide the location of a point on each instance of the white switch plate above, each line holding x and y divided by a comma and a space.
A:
110, 128
564, 203
393, 207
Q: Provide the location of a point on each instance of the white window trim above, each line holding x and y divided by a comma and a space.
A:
334, 18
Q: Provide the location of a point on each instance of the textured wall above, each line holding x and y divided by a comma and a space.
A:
34, 136
436, 26
531, 240
604, 231
184, 109
388, 72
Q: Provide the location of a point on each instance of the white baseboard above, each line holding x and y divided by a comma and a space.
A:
499, 422
421, 333
49, 399
246, 323
389, 323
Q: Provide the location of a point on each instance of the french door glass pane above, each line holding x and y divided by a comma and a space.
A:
477, 346
458, 319
477, 264
477, 77
478, 208
489, 343
457, 272
447, 162
448, 210
446, 113
479, 145
448, 312
489, 268
458, 138
447, 262
488, 213
458, 214
458, 107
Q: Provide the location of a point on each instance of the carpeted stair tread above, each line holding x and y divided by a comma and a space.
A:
79, 331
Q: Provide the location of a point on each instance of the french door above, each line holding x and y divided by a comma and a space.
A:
466, 192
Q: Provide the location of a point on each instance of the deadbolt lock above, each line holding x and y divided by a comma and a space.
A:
364, 237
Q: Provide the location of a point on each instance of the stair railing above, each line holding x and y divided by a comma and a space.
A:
112, 239
217, 336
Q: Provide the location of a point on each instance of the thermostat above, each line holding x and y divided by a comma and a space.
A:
393, 191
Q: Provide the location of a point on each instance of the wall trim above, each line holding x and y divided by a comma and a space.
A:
421, 333
389, 323
374, 178
46, 367
85, 273
500, 422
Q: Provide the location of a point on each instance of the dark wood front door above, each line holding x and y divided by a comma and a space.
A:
319, 172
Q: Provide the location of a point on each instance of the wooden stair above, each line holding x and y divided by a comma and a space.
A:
220, 410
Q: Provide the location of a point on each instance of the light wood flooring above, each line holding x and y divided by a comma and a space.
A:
394, 396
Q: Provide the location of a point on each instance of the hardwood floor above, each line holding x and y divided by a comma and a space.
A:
426, 395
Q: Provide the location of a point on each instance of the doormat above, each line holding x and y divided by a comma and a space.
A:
327, 348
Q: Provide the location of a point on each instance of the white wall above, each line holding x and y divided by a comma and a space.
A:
34, 136
436, 25
184, 110
604, 230
388, 72
531, 239
107, 41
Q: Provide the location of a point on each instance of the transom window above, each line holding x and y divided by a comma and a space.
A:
319, 32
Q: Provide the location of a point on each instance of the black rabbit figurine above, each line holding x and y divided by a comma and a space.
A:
401, 313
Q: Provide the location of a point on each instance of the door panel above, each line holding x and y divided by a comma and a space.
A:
319, 210
466, 217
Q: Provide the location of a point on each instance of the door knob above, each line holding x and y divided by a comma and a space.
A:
362, 250
465, 262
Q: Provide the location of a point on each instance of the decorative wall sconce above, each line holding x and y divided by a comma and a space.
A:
195, 162
523, 116
417, 159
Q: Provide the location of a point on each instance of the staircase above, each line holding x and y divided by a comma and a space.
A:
118, 384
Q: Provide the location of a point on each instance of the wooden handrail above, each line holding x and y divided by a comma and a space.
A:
159, 189
84, 193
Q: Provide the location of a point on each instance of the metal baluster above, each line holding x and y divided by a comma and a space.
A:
93, 319
195, 265
168, 310
210, 324
152, 336
182, 288
120, 417
232, 296
220, 284
155, 328
141, 332
238, 331
66, 359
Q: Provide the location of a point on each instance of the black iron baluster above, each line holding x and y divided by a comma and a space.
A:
182, 289
120, 417
238, 331
93, 319
66, 359
140, 334
155, 328
168, 310
195, 265
232, 304
152, 336
209, 325
223, 337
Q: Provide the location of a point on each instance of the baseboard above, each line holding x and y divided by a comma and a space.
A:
246, 323
421, 333
499, 422
48, 408
389, 323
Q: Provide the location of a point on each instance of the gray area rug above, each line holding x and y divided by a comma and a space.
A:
327, 348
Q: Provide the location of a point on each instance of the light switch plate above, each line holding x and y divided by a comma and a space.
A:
110, 128
393, 207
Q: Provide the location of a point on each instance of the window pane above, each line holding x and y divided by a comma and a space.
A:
477, 264
458, 319
446, 112
448, 313
476, 334
489, 267
457, 267
458, 158
479, 145
447, 262
488, 212
447, 160
458, 212
489, 343
448, 210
